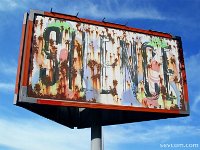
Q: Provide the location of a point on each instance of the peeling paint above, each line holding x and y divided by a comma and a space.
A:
82, 62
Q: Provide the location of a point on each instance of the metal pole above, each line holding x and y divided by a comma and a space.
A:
96, 137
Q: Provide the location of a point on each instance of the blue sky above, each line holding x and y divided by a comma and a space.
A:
23, 130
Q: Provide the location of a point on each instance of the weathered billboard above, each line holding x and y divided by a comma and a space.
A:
83, 62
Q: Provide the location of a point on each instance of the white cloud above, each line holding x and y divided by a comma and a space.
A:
193, 70
196, 104
6, 87
40, 134
113, 10
96, 9
8, 5
148, 134
35, 134
8, 68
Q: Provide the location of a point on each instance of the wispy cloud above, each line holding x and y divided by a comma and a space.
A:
152, 134
38, 134
196, 104
6, 87
20, 134
113, 10
96, 9
9, 5
193, 69
8, 67
7, 75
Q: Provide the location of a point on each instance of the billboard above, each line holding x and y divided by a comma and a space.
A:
74, 62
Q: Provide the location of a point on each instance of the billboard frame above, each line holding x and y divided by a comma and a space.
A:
24, 63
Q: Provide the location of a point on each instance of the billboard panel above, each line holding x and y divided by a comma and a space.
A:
70, 61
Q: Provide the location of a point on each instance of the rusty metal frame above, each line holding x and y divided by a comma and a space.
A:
20, 57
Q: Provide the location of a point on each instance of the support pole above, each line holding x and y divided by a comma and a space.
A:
96, 137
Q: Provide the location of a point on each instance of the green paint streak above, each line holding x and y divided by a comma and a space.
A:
157, 43
60, 24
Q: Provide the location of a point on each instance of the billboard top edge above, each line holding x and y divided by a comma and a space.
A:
100, 23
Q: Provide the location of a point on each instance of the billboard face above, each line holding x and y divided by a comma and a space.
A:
82, 62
